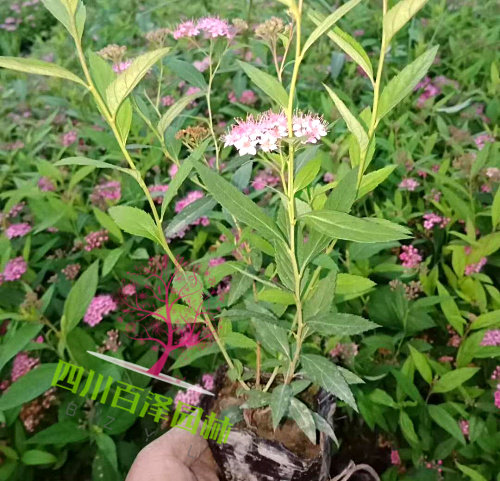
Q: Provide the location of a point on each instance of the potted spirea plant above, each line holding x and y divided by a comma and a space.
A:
282, 395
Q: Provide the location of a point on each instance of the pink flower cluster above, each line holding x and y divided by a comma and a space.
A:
17, 230
410, 257
192, 196
210, 27
345, 351
13, 270
122, 66
430, 90
128, 290
409, 184
475, 268
16, 209
167, 101
496, 373
202, 65
395, 459
431, 219
482, 139
464, 427
99, 307
158, 188
193, 397
110, 190
95, 240
497, 396
265, 178
491, 338
269, 128
216, 261
69, 138
46, 185
247, 97
22, 365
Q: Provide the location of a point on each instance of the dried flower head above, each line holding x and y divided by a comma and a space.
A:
157, 37
113, 52
270, 29
193, 136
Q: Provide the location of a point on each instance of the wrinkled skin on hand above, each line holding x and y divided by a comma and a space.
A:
176, 456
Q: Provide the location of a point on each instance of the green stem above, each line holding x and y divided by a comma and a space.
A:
212, 72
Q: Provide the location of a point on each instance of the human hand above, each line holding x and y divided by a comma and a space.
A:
175, 456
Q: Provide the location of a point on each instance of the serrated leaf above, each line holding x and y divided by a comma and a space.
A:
302, 415
267, 83
238, 340
323, 426
125, 82
39, 67
135, 221
284, 265
337, 324
339, 225
352, 122
107, 222
272, 337
326, 374
344, 195
238, 204
280, 403
256, 399
408, 429
442, 418
404, 82
453, 379
322, 297
398, 16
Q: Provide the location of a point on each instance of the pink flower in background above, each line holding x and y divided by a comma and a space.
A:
409, 184
359, 32
189, 199
39, 340
17, 230
208, 381
431, 219
485, 188
159, 190
475, 268
69, 138
482, 139
213, 27
491, 338
493, 173
267, 129
122, 66
202, 65
16, 209
265, 178
216, 261
112, 342
110, 190
248, 97
422, 174
71, 271
328, 177
95, 240
172, 170
46, 185
128, 290
14, 269
446, 359
410, 257
186, 29
496, 373
99, 307
497, 396
464, 427
167, 101
189, 396
193, 90
346, 351
395, 459
22, 365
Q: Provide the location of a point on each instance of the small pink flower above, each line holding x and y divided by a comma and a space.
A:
202, 65
186, 29
189, 396
328, 177
410, 257
167, 101
464, 427
16, 209
69, 138
216, 261
409, 184
95, 240
475, 268
496, 373
128, 290
432, 219
172, 170
491, 338
17, 230
158, 190
497, 396
395, 459
99, 307
46, 185
122, 66
265, 178
39, 340
482, 139
444, 359
208, 381
104, 191
22, 365
14, 269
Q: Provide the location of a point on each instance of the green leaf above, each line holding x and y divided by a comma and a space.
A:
302, 415
95, 163
60, 11
404, 82
284, 265
125, 82
408, 429
63, 432
453, 379
372, 180
352, 122
187, 72
337, 324
444, 419
328, 23
110, 260
135, 221
35, 457
174, 186
276, 295
495, 209
307, 174
350, 286
450, 309
235, 339
256, 399
28, 387
422, 364
39, 67
323, 426
322, 298
280, 403
107, 222
344, 195
272, 337
484, 321
174, 111
381, 397
398, 16
107, 448
267, 83
472, 473
339, 225
238, 204
79, 298
326, 374
11, 345
239, 285
190, 355
187, 216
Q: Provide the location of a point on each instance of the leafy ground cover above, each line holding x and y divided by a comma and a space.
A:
424, 377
